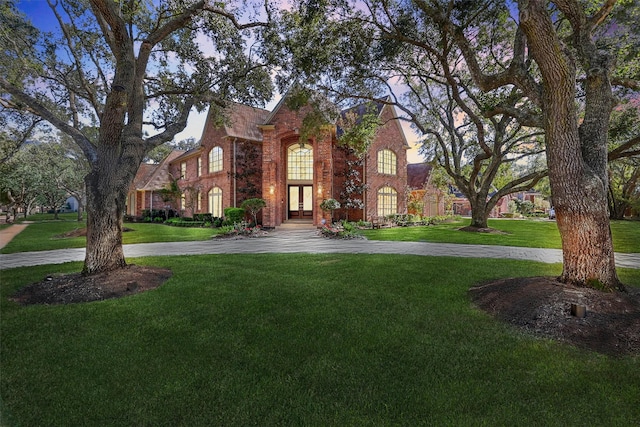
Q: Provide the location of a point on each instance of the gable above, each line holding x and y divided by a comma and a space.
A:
161, 176
244, 121
418, 175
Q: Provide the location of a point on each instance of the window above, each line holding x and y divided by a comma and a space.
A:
183, 202
198, 201
387, 162
215, 202
300, 162
387, 201
183, 170
199, 166
215, 160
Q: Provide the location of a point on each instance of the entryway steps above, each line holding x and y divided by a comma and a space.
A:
296, 225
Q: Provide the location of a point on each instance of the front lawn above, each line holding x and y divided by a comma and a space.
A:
524, 233
323, 340
42, 236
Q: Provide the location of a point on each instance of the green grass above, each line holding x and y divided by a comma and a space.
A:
524, 233
72, 216
251, 340
42, 236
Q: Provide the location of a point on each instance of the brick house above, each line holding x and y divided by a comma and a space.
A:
429, 199
258, 153
145, 193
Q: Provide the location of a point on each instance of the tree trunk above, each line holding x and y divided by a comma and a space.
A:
480, 209
576, 155
107, 186
616, 207
580, 198
479, 215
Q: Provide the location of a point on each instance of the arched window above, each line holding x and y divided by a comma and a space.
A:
300, 162
387, 162
387, 201
215, 159
215, 202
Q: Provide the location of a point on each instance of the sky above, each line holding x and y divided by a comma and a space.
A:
40, 15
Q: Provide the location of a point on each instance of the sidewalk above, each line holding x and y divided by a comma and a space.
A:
6, 234
306, 241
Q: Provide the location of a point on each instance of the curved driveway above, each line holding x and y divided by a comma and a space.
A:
307, 241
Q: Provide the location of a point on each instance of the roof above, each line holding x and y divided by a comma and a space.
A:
159, 177
187, 154
144, 173
244, 120
418, 174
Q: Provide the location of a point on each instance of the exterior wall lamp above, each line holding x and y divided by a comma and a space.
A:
272, 189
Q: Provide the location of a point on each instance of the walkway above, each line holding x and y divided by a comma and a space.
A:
6, 234
297, 240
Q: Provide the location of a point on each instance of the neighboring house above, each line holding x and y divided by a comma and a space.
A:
258, 153
421, 190
145, 193
461, 205
72, 204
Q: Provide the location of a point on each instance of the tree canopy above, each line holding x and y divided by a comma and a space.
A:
121, 78
550, 66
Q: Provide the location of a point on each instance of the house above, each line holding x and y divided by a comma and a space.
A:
259, 153
145, 192
425, 199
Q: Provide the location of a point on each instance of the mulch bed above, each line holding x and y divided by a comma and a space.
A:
542, 306
76, 288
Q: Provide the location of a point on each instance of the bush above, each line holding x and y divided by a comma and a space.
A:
184, 222
253, 206
207, 217
233, 215
152, 214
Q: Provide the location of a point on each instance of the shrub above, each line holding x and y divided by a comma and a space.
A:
207, 217
152, 214
253, 206
342, 230
233, 215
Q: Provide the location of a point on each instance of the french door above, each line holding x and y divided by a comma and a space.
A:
300, 202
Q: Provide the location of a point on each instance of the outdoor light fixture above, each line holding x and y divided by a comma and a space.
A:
272, 189
319, 189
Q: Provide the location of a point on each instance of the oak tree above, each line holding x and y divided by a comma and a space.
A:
132, 70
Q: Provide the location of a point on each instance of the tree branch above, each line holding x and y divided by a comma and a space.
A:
621, 151
37, 108
174, 128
